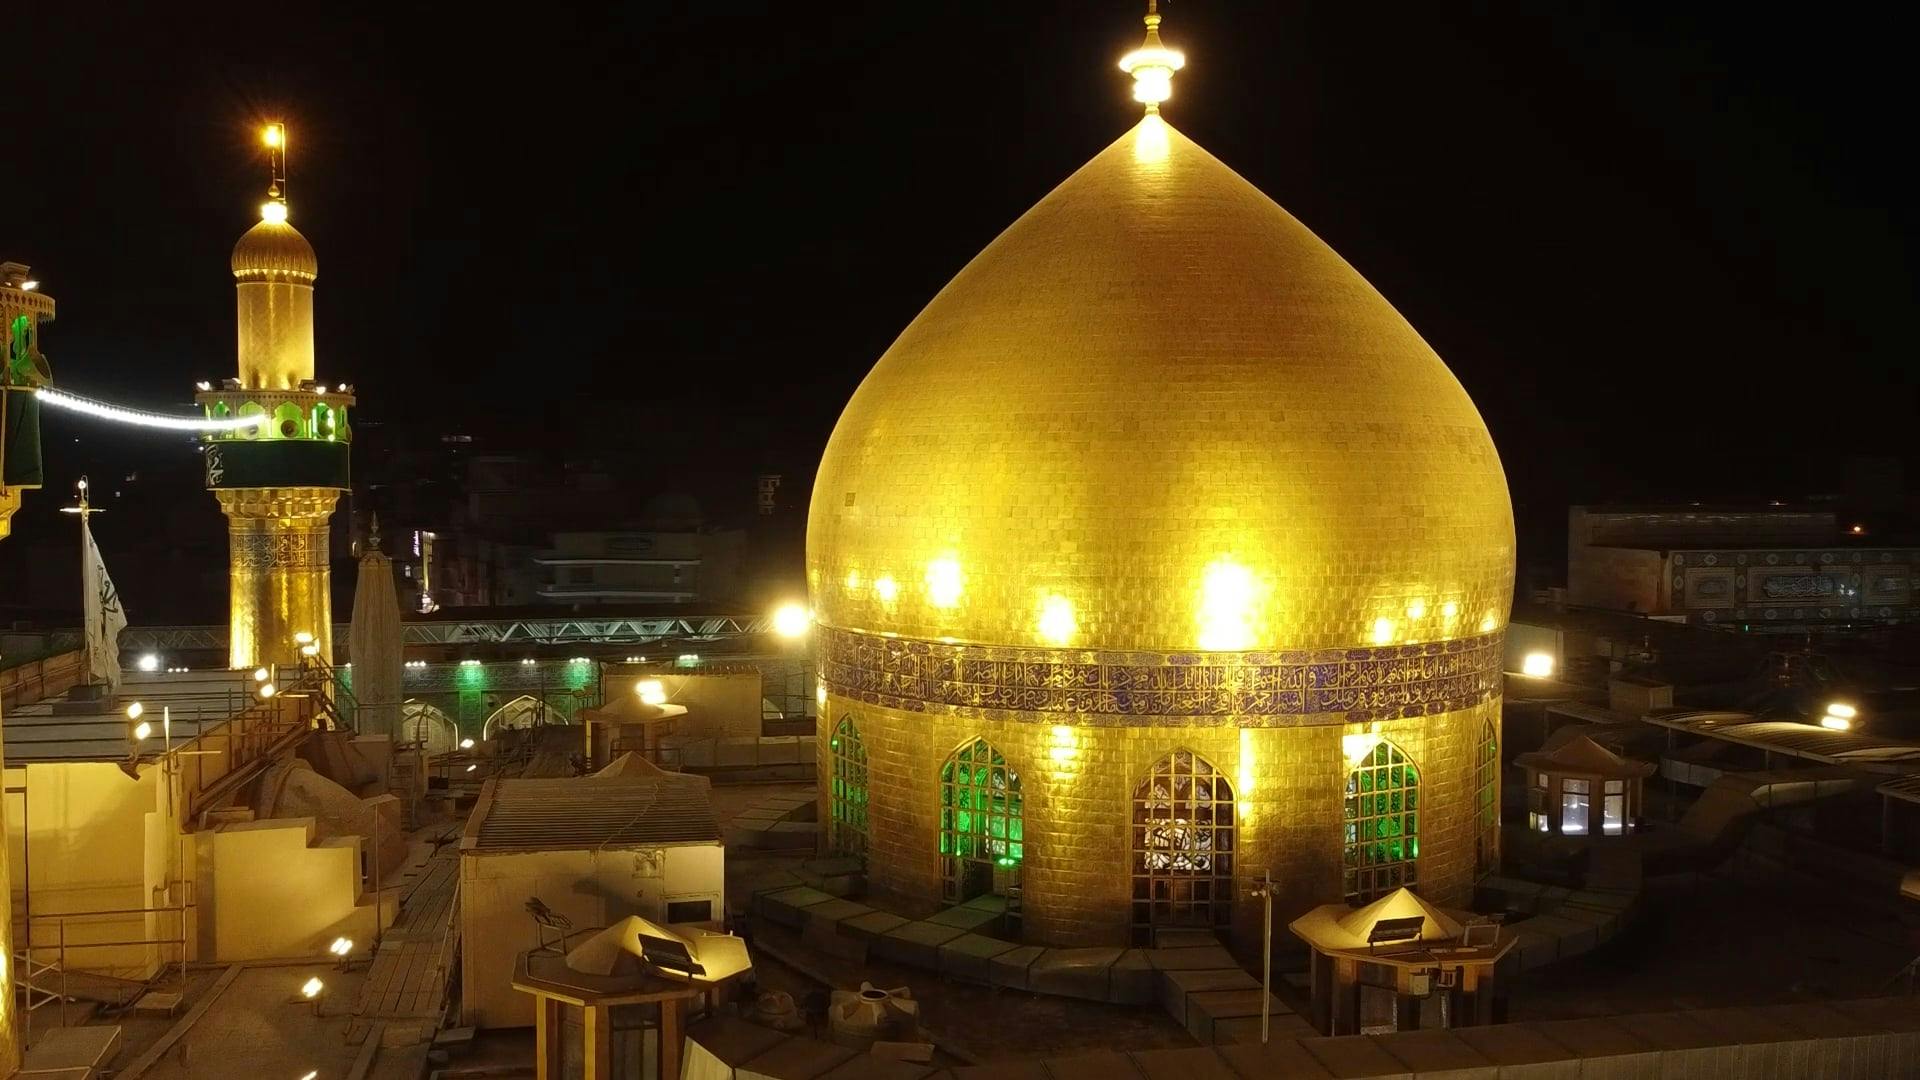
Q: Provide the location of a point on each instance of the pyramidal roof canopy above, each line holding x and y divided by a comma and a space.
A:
1581, 754
1401, 903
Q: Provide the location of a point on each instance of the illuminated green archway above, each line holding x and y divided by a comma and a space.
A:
982, 841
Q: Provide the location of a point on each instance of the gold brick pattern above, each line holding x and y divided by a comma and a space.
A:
1161, 402
279, 579
1289, 787
1158, 469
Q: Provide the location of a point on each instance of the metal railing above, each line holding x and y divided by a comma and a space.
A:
607, 630
37, 974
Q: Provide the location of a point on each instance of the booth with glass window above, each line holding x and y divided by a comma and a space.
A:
1581, 788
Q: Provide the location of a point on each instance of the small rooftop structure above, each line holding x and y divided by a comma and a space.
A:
617, 1003
593, 850
1399, 964
1566, 783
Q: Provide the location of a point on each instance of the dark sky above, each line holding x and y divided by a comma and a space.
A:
1668, 250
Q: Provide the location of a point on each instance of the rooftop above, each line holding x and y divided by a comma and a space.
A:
582, 812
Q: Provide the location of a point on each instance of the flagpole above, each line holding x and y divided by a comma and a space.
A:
86, 511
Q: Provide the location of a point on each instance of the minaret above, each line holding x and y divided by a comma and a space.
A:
23, 307
278, 482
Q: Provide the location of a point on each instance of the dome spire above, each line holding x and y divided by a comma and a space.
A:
275, 208
1152, 64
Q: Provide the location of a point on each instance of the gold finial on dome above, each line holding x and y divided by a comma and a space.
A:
275, 208
1152, 64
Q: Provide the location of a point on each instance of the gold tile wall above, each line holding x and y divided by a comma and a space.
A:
279, 578
1078, 784
1157, 434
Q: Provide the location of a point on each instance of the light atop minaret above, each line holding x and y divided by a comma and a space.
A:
275, 208
1152, 64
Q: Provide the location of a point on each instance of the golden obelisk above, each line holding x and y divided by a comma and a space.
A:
277, 482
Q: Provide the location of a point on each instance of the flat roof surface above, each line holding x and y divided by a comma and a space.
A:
1793, 738
592, 811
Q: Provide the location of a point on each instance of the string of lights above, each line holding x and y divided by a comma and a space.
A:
118, 414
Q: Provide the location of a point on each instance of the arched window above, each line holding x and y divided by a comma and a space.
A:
427, 727
1383, 824
1486, 786
248, 410
1182, 846
521, 712
288, 421
847, 795
980, 835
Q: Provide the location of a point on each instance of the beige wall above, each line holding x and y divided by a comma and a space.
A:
1078, 786
269, 891
720, 705
592, 888
1618, 579
87, 837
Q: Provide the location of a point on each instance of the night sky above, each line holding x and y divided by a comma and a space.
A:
1669, 251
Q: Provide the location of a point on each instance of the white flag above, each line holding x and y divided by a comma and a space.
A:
105, 617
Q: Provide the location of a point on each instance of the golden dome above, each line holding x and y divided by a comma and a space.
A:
274, 250
1158, 413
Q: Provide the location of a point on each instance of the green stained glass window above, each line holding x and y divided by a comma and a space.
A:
980, 828
1382, 824
847, 792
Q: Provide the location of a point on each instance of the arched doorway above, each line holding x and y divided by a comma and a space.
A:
427, 727
847, 793
1182, 846
522, 712
981, 841
1382, 823
1486, 786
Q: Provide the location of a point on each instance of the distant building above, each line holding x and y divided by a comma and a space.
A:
1770, 567
643, 567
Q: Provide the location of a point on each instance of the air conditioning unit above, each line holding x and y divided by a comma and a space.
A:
1419, 983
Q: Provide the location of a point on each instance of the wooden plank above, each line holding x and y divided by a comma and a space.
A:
179, 1030
363, 1061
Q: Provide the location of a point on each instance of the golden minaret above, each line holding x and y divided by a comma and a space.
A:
22, 309
277, 482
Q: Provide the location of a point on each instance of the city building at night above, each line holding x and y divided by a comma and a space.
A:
1158, 552
1758, 568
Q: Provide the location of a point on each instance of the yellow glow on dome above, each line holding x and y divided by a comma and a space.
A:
1057, 624
1487, 623
853, 580
886, 589
1151, 147
1227, 595
1063, 745
1356, 747
944, 582
1417, 609
274, 212
1382, 631
1122, 501
1244, 777
1450, 611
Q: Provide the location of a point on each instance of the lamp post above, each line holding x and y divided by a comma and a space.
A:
1264, 891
